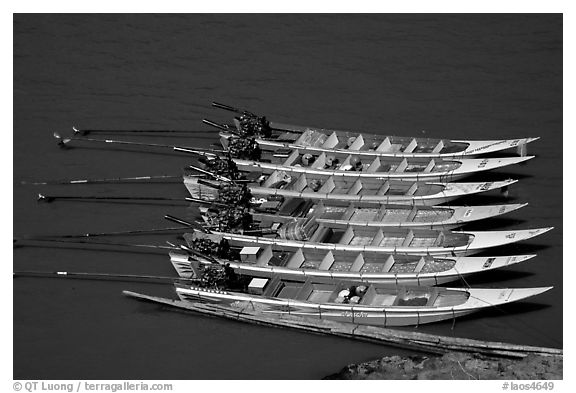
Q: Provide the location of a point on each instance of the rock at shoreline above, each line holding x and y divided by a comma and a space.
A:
455, 366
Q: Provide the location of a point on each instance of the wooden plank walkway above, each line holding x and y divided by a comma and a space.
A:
399, 338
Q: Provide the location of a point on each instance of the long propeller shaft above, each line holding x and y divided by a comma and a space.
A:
96, 243
105, 180
51, 198
65, 141
101, 276
111, 131
98, 234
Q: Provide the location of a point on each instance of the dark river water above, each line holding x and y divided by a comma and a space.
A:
453, 76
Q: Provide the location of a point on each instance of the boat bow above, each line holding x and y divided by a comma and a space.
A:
486, 297
487, 239
473, 165
454, 190
473, 213
483, 147
469, 265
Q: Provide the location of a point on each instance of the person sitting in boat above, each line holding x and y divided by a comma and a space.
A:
244, 196
264, 128
230, 275
223, 248
225, 251
255, 151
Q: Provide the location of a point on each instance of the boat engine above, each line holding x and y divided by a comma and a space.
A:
252, 125
231, 220
245, 148
234, 195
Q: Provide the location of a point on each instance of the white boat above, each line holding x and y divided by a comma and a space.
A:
355, 167
370, 191
283, 213
274, 135
397, 241
373, 304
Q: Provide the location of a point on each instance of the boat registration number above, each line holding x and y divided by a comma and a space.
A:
488, 263
357, 314
485, 186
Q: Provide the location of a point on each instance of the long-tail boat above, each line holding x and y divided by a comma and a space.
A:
358, 215
281, 185
371, 304
315, 139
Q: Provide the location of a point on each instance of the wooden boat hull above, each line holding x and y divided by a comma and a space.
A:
463, 266
290, 137
389, 216
476, 242
466, 168
386, 316
442, 193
